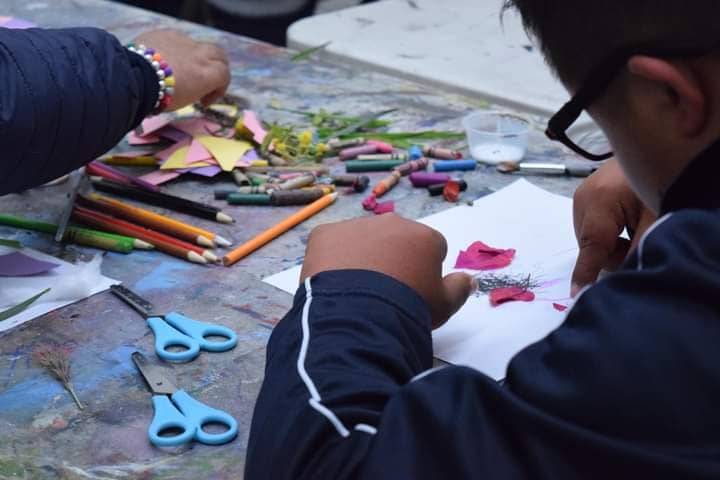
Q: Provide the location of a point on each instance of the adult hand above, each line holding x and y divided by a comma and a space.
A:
201, 69
405, 250
603, 206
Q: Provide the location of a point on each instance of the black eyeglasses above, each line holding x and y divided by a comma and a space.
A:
589, 143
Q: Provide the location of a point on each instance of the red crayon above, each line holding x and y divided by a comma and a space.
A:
350, 153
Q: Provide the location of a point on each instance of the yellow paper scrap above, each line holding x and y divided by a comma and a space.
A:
177, 161
226, 151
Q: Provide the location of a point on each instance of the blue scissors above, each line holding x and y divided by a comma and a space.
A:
175, 410
176, 330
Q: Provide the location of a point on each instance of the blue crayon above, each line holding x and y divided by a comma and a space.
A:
415, 152
448, 165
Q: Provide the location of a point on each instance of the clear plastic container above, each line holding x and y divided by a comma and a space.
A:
495, 137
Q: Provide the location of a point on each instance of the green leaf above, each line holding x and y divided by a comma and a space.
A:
303, 54
10, 243
12, 311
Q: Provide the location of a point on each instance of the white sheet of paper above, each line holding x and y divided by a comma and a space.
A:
538, 224
68, 284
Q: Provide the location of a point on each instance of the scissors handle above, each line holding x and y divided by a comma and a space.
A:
200, 414
166, 336
167, 418
200, 330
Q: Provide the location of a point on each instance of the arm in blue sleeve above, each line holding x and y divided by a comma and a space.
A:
625, 388
66, 97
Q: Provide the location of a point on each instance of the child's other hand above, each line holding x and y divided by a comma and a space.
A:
603, 206
201, 69
405, 250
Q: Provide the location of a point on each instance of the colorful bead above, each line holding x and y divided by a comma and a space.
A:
170, 81
166, 82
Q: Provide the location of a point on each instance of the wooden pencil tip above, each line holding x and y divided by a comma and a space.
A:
508, 167
143, 245
224, 218
205, 242
195, 258
211, 257
222, 242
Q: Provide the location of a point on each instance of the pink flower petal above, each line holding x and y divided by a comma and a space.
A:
370, 203
560, 307
499, 296
479, 256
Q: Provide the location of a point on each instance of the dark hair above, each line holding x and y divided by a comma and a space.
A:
576, 35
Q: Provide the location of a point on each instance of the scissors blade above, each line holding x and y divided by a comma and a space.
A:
138, 303
363, 121
77, 180
153, 375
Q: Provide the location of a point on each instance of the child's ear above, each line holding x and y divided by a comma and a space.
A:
684, 91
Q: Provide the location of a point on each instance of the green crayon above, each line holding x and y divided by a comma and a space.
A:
372, 165
248, 199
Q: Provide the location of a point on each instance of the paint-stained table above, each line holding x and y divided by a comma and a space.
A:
42, 434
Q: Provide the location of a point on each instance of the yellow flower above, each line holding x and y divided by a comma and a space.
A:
321, 149
305, 138
281, 148
239, 125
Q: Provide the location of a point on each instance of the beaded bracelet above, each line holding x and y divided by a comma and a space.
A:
164, 73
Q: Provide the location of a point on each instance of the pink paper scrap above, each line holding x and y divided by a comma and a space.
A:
17, 264
196, 126
159, 177
197, 153
134, 139
479, 256
154, 123
252, 123
173, 134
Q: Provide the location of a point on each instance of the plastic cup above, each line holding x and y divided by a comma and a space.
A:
495, 137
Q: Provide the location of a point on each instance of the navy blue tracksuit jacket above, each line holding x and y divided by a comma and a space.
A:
66, 97
627, 388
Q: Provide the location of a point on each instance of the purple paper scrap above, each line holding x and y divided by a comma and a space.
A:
18, 264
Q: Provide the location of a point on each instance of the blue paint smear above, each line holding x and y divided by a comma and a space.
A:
33, 395
169, 274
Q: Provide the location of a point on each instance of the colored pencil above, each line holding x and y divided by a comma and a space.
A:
164, 200
155, 221
81, 236
162, 242
99, 168
94, 207
141, 161
275, 231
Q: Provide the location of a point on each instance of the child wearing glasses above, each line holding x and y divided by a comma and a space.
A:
68, 96
627, 387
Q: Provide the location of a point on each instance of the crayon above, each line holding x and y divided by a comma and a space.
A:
371, 166
435, 190
295, 197
386, 184
450, 165
222, 193
248, 199
424, 179
299, 182
384, 156
240, 178
338, 144
350, 153
413, 166
441, 153
359, 183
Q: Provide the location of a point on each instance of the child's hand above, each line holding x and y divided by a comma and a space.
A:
407, 251
201, 69
604, 205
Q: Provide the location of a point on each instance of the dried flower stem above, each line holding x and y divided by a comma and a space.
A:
490, 281
56, 360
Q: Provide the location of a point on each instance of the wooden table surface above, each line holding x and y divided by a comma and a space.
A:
42, 433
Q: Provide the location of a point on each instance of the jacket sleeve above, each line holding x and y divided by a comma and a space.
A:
66, 97
625, 388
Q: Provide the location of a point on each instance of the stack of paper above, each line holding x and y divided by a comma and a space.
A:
199, 146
